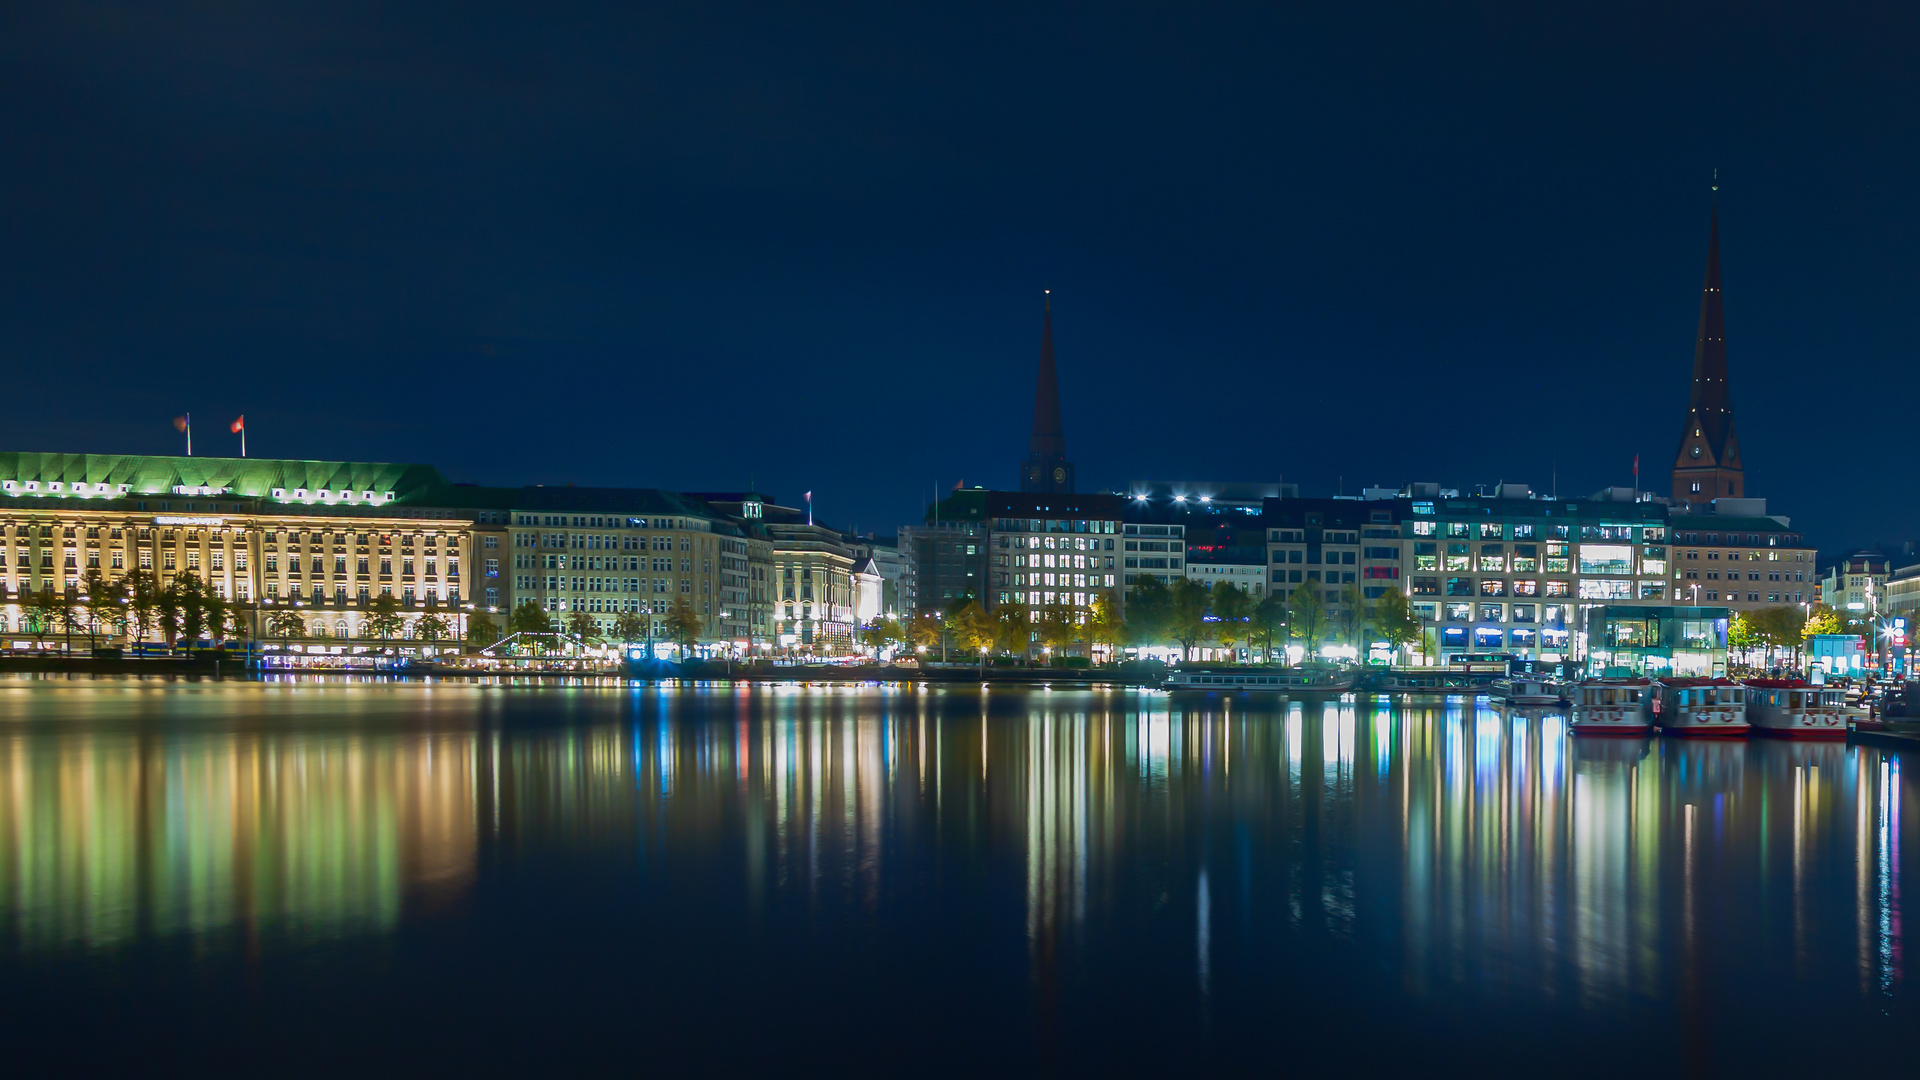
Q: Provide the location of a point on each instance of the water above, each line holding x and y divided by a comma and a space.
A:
320, 877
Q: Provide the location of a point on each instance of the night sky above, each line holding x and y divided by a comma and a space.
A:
804, 245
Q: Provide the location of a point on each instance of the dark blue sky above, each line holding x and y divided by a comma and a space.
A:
633, 245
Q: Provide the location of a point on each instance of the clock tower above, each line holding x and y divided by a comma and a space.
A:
1047, 470
1707, 465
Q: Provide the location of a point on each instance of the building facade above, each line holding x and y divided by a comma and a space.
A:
1061, 552
1857, 583
320, 539
1739, 562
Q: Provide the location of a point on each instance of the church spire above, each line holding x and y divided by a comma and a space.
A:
1047, 468
1049, 438
1707, 465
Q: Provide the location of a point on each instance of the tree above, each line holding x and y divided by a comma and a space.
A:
1269, 621
1352, 617
482, 631
630, 626
1232, 607
68, 616
286, 624
683, 624
1148, 607
239, 622
583, 626
1307, 617
977, 630
926, 631
1782, 627
1742, 635
1395, 621
880, 633
143, 602
1104, 623
384, 617
431, 627
37, 613
1187, 615
1821, 620
102, 599
529, 618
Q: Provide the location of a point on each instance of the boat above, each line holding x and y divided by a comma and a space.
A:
1611, 707
1428, 680
1528, 690
1276, 681
1699, 706
1797, 709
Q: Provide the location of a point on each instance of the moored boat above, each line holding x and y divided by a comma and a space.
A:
1699, 706
1528, 690
1611, 707
1795, 708
1275, 681
1429, 680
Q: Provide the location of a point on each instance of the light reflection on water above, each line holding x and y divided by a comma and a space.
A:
1455, 846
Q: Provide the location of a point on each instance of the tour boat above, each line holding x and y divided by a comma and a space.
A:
1431, 680
1699, 706
1797, 709
1611, 707
1527, 690
1273, 681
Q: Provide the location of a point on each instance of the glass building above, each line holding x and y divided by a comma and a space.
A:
1655, 641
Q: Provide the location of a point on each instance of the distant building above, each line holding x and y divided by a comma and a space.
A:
1707, 465
1054, 551
1349, 548
1903, 594
949, 552
1857, 583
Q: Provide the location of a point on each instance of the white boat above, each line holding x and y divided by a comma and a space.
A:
1431, 680
1273, 681
1797, 709
1611, 707
1699, 706
1527, 690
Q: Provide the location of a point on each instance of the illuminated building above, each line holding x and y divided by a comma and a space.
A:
813, 585
1856, 583
1054, 552
322, 538
601, 552
1510, 571
1743, 562
1707, 465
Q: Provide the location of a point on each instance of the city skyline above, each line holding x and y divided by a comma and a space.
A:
409, 282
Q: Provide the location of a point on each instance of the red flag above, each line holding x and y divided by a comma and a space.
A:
239, 424
957, 484
180, 422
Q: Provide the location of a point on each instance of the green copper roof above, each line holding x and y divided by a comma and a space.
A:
252, 478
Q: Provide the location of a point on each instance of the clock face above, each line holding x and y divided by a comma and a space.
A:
1695, 451
1059, 475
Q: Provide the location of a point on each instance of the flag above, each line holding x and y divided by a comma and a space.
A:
809, 496
957, 484
180, 423
239, 424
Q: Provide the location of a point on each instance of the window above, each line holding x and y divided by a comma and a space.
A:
1459, 612
1459, 586
1490, 530
1605, 589
1553, 588
1423, 528
1606, 559
1526, 587
1523, 613
1493, 587
1457, 528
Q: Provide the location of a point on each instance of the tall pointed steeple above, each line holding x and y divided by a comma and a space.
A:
1707, 465
1047, 468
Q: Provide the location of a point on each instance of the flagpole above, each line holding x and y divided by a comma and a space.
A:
243, 438
189, 434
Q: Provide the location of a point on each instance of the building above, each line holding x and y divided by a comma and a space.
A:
1047, 470
949, 552
1857, 583
1220, 495
1707, 465
319, 538
1511, 572
601, 552
1636, 639
1182, 530
1744, 562
1903, 594
894, 570
1056, 553
746, 569
815, 594
1350, 548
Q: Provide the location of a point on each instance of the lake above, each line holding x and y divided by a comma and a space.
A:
327, 875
